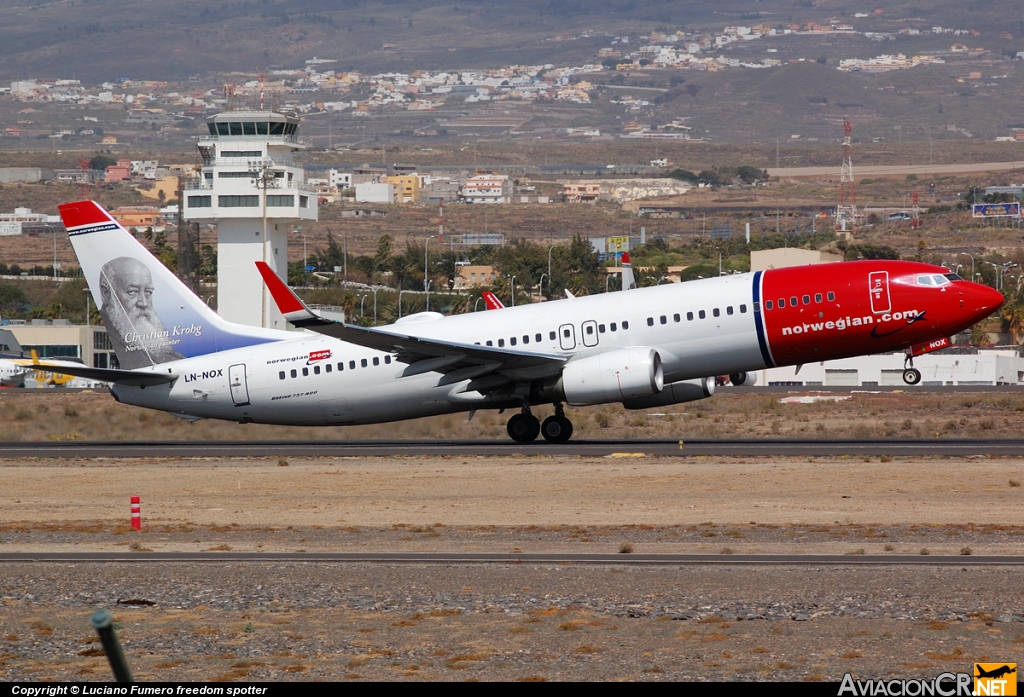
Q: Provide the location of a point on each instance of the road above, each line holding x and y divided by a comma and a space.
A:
890, 170
588, 448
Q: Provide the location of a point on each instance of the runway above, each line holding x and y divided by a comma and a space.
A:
963, 447
443, 558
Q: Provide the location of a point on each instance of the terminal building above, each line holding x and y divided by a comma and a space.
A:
251, 188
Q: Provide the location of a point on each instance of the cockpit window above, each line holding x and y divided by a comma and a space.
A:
953, 277
925, 281
940, 280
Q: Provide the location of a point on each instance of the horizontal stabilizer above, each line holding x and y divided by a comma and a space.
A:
121, 377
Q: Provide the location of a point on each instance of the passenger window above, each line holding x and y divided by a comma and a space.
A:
551, 336
316, 370
702, 314
341, 366
512, 341
650, 321
351, 365
676, 317
613, 326
664, 319
590, 329
807, 300
831, 296
362, 362
728, 310
782, 303
526, 338
281, 375
501, 342
387, 359
328, 367
566, 333
757, 307
743, 309
376, 360
716, 312
490, 343
538, 337
817, 297
294, 373
625, 324
305, 372
600, 328
689, 316
792, 301
767, 305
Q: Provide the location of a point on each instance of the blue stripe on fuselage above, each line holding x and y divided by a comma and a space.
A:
762, 340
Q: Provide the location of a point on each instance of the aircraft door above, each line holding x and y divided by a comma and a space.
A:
878, 289
567, 337
589, 333
238, 385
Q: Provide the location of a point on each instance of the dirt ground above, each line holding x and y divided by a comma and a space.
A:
35, 415
307, 621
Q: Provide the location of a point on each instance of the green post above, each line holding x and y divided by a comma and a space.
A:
102, 622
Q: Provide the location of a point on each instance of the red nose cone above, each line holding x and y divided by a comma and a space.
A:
983, 301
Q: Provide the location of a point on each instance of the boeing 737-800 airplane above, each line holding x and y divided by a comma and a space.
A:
649, 347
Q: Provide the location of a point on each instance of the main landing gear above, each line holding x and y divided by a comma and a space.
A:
911, 375
524, 427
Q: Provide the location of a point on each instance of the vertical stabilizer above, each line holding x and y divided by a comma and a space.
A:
151, 317
628, 281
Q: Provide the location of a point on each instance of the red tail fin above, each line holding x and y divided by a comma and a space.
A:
491, 300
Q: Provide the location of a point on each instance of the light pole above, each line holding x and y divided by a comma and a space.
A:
513, 291
54, 231
972, 263
400, 303
540, 286
263, 177
426, 270
476, 305
664, 278
549, 264
362, 299
305, 263
375, 289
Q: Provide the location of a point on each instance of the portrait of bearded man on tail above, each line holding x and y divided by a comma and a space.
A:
135, 330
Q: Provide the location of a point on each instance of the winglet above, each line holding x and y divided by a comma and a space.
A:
290, 305
491, 301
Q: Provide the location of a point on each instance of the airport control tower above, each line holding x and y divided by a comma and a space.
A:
251, 188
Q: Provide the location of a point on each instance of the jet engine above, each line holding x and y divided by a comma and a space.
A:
738, 379
675, 393
615, 376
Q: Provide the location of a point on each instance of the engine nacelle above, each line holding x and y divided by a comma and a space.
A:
615, 376
675, 393
738, 379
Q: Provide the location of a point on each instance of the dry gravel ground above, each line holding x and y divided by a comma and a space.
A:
34, 415
520, 621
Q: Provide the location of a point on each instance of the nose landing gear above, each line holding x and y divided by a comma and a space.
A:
911, 375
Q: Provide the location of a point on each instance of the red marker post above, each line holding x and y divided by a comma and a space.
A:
136, 513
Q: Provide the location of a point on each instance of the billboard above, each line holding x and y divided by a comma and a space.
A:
618, 245
996, 210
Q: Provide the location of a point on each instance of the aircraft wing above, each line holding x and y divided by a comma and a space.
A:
423, 355
123, 377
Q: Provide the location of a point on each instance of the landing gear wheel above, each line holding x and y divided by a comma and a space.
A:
911, 376
556, 429
523, 428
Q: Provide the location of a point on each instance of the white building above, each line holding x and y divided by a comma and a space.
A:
986, 367
375, 192
485, 188
251, 188
340, 180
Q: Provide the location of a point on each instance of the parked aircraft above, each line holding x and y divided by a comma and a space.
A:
649, 347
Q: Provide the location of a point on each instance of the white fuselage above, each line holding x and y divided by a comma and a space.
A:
246, 384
